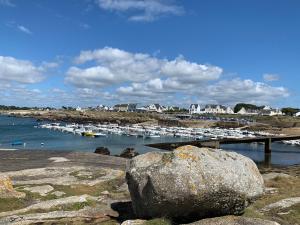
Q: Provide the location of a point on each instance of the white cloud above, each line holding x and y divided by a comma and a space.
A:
84, 26
223, 92
237, 90
7, 3
268, 77
142, 10
115, 66
187, 72
24, 29
21, 71
91, 77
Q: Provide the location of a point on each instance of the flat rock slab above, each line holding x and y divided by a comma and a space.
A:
40, 218
133, 222
46, 205
63, 176
59, 159
58, 193
30, 159
282, 204
41, 190
234, 220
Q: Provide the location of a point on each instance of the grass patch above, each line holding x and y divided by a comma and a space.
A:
93, 176
111, 186
287, 188
9, 204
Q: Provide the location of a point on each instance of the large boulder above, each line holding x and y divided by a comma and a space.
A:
7, 190
234, 220
192, 182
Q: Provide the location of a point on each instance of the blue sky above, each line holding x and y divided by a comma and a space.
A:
91, 52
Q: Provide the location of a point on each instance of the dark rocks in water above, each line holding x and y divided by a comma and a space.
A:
129, 153
191, 183
102, 151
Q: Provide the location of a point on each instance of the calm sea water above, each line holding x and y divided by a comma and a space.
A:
22, 129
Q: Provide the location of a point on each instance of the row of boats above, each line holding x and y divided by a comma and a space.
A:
292, 142
142, 131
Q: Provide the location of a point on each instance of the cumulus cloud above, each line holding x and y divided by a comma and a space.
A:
187, 72
238, 90
24, 29
91, 77
21, 71
142, 77
142, 10
115, 66
268, 77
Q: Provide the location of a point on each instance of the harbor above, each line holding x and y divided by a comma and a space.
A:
28, 134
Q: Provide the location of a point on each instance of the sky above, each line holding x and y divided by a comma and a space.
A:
173, 52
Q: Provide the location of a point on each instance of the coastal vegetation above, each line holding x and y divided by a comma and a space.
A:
290, 111
239, 106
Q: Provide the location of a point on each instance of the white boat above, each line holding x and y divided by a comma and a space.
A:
99, 135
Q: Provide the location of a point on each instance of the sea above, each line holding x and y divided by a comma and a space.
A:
14, 129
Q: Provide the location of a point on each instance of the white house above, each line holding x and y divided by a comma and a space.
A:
155, 108
125, 107
297, 114
244, 111
268, 111
229, 110
79, 109
194, 108
276, 112
215, 109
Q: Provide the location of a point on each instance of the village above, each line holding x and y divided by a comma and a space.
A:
239, 109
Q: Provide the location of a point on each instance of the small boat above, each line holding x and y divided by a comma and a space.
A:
100, 135
88, 134
18, 142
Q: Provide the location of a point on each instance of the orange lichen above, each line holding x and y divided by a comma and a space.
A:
186, 155
186, 147
6, 184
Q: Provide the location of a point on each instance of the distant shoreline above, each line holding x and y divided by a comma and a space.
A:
275, 125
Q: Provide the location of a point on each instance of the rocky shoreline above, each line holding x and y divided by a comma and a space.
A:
87, 188
272, 125
86, 117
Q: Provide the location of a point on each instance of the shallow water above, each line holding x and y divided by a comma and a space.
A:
13, 129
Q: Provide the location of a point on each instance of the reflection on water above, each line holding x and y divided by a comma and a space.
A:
12, 129
281, 154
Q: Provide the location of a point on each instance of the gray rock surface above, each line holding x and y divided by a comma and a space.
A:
133, 222
282, 204
192, 182
46, 205
55, 216
71, 175
234, 220
58, 193
42, 190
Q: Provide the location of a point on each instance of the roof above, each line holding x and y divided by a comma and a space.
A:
125, 105
196, 105
215, 106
